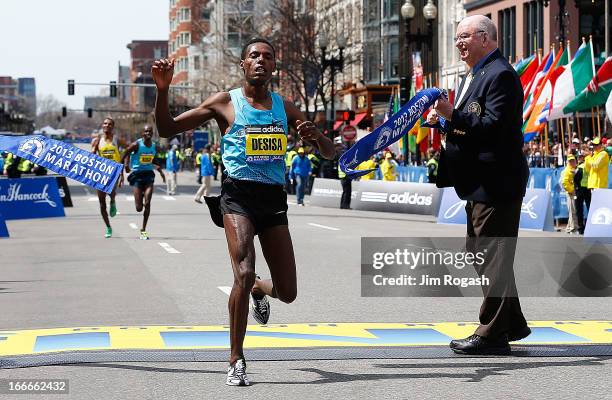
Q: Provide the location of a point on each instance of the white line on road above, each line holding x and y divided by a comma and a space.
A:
170, 198
225, 289
293, 203
331, 228
92, 199
169, 248
133, 225
129, 198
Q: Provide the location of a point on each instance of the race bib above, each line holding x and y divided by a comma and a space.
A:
110, 154
146, 158
265, 143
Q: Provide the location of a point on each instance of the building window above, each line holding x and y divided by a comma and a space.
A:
205, 14
373, 7
372, 62
157, 53
390, 8
507, 32
184, 14
393, 59
196, 62
534, 24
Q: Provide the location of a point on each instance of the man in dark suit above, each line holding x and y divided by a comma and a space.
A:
484, 162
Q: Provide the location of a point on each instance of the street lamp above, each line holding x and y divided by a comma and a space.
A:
408, 11
335, 64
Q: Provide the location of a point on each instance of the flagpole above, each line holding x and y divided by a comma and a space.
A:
560, 130
598, 126
546, 144
592, 122
579, 128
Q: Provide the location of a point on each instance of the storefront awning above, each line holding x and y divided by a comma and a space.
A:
358, 118
337, 125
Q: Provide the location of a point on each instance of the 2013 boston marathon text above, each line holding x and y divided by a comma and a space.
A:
80, 163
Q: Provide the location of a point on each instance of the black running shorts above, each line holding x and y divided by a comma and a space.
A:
264, 205
142, 179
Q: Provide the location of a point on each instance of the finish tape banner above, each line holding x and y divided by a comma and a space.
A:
65, 159
388, 133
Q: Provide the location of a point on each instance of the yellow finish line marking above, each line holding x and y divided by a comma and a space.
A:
311, 335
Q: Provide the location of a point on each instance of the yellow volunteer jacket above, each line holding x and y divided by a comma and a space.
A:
368, 164
387, 168
597, 165
567, 179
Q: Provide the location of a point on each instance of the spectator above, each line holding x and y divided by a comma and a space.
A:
173, 166
369, 164
388, 168
205, 174
300, 171
432, 166
567, 182
583, 194
598, 165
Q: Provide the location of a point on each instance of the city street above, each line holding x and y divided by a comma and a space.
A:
62, 273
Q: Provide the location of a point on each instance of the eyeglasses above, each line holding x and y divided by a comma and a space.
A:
464, 36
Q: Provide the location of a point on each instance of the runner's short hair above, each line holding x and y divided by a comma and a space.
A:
256, 40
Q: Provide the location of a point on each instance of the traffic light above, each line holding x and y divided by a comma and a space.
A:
348, 115
113, 88
64, 111
89, 112
404, 90
70, 87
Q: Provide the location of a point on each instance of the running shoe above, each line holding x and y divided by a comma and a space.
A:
113, 209
109, 232
144, 235
236, 374
260, 308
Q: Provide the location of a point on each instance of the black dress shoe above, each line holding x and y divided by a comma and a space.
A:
519, 334
478, 345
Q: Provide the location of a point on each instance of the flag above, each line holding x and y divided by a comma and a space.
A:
597, 91
575, 77
538, 115
527, 72
536, 84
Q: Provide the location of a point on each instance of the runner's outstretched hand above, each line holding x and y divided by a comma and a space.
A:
162, 71
307, 130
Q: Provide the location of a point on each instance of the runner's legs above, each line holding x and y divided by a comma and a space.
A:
278, 251
239, 232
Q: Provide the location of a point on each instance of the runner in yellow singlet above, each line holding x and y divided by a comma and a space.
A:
106, 146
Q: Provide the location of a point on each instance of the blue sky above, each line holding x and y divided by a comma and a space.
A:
84, 40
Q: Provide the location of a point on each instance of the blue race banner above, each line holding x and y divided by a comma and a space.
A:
65, 159
30, 198
452, 208
599, 222
388, 133
3, 229
536, 211
200, 140
410, 173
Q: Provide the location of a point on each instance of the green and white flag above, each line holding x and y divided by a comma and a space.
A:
572, 81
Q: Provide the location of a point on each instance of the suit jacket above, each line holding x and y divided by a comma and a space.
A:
484, 140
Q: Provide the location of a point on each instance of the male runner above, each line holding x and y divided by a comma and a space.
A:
141, 154
106, 146
253, 202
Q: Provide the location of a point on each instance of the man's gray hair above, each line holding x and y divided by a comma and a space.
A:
486, 25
